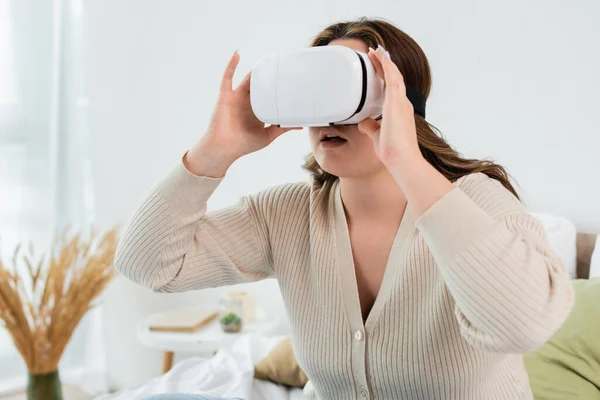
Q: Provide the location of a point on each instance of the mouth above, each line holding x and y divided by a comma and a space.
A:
331, 135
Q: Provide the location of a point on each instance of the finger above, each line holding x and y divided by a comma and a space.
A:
376, 63
227, 81
395, 89
273, 131
394, 81
369, 127
244, 85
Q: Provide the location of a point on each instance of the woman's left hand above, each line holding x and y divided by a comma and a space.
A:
395, 135
395, 140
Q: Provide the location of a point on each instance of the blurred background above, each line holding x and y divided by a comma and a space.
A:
99, 99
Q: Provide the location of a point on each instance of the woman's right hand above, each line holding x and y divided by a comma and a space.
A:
234, 130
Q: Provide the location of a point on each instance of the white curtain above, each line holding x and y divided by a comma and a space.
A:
45, 172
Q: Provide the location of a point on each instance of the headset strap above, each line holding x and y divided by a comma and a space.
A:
417, 99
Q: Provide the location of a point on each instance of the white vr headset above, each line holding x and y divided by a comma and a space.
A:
320, 86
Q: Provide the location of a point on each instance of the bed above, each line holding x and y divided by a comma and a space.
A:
230, 373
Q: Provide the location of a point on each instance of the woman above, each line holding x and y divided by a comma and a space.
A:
408, 272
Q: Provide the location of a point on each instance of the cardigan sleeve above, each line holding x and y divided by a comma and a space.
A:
172, 244
512, 291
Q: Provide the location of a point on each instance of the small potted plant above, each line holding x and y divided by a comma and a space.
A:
231, 314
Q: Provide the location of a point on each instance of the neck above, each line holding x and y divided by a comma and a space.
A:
377, 197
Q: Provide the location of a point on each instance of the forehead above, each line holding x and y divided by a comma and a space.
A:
355, 44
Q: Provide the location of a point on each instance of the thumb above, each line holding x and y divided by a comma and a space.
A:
369, 127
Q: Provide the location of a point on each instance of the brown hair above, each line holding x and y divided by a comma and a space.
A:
412, 62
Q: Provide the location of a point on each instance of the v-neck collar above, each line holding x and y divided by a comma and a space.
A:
346, 267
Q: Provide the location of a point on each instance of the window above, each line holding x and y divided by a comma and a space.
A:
7, 69
45, 177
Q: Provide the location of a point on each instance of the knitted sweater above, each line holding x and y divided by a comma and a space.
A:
470, 285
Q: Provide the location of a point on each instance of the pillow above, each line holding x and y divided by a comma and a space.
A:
280, 366
568, 365
562, 236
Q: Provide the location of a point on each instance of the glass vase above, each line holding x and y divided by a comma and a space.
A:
231, 314
44, 386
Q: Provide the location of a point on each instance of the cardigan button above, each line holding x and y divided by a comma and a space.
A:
364, 392
358, 335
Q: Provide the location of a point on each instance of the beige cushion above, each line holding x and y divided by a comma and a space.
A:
280, 366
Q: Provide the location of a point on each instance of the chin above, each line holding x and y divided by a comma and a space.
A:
349, 168
356, 159
337, 171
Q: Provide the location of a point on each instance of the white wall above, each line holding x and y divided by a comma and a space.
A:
516, 81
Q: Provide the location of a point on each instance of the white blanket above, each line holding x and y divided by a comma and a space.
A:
230, 373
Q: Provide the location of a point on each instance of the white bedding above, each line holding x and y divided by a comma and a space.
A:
595, 262
562, 236
228, 374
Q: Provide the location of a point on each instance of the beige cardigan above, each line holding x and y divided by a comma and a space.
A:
470, 285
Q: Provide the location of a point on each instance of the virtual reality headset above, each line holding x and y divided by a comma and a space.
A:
319, 86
